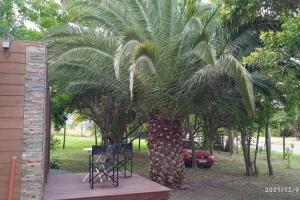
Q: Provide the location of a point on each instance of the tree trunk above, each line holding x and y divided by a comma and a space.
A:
246, 141
211, 136
210, 131
283, 145
268, 144
297, 130
165, 149
193, 150
81, 132
191, 137
231, 142
237, 144
255, 154
204, 143
64, 139
249, 155
95, 127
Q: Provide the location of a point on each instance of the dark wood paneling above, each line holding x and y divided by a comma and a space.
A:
12, 79
12, 68
11, 145
5, 157
11, 123
12, 58
11, 112
11, 134
12, 100
12, 90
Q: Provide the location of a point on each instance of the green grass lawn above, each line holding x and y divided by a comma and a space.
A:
225, 180
73, 158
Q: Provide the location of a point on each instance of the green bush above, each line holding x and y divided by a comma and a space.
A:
54, 142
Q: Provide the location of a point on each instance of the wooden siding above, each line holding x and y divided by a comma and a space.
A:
12, 87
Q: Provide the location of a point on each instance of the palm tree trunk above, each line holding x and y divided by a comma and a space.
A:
165, 150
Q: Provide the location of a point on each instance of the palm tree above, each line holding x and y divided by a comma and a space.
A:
157, 49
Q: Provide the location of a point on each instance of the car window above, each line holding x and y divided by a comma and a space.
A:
188, 145
197, 145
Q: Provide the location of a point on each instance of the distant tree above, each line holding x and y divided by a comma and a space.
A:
28, 19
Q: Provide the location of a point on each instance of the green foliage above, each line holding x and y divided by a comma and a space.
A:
287, 132
161, 50
54, 142
47, 13
9, 22
27, 19
60, 108
54, 164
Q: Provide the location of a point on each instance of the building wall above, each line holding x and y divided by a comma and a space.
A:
22, 118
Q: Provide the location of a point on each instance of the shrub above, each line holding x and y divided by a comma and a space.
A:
54, 142
289, 153
54, 164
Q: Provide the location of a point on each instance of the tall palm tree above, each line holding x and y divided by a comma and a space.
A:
152, 51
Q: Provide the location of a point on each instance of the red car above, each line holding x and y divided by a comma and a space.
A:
203, 158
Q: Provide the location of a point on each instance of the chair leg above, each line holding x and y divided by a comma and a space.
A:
117, 169
125, 169
90, 170
130, 163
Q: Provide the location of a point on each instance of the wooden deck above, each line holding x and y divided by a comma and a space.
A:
70, 186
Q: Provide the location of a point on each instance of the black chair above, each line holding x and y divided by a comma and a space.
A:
104, 162
125, 159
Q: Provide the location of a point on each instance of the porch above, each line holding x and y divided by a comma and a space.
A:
70, 186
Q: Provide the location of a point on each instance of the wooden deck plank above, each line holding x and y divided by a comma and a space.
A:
70, 186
